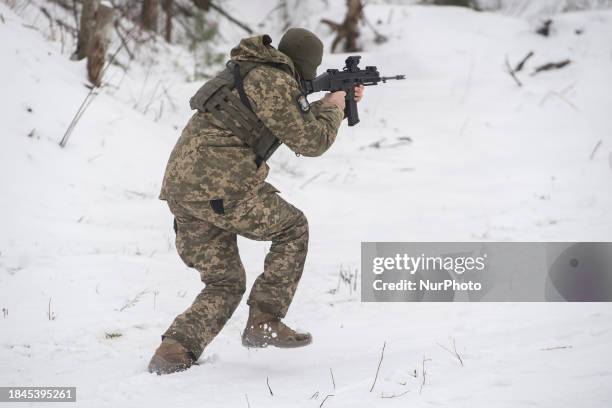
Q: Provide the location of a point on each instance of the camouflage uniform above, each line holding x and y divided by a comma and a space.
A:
210, 163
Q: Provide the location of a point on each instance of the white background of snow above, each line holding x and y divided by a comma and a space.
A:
489, 161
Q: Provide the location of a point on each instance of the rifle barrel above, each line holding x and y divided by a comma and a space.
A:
396, 77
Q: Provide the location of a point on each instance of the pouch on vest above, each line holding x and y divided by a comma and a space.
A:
215, 97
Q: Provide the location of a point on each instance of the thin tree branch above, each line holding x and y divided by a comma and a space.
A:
89, 98
230, 18
325, 399
520, 65
595, 149
453, 352
382, 354
512, 73
424, 371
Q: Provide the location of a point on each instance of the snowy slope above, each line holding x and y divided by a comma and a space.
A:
85, 240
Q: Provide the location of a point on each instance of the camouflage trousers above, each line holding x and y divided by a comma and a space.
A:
206, 241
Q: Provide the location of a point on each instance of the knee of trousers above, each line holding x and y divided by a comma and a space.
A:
230, 286
297, 233
230, 282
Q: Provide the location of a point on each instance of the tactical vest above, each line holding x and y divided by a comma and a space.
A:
236, 114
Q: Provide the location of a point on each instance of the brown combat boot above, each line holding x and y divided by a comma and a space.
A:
264, 329
170, 357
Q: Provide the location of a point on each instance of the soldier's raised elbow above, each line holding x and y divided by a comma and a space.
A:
317, 148
314, 152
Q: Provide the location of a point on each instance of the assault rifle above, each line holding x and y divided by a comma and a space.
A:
334, 80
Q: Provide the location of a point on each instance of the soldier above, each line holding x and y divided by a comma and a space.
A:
215, 187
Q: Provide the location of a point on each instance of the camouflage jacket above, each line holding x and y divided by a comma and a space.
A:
209, 162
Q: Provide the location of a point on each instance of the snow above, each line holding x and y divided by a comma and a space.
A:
86, 249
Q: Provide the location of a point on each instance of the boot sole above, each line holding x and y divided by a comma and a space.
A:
260, 343
160, 366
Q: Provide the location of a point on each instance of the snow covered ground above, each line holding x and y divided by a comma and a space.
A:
89, 277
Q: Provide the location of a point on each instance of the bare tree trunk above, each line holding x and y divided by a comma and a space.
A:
86, 27
150, 12
353, 15
167, 7
349, 29
202, 4
98, 45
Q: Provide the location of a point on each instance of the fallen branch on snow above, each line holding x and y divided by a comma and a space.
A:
132, 302
325, 399
512, 73
50, 314
394, 395
453, 352
551, 66
595, 150
424, 371
520, 65
518, 68
556, 348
